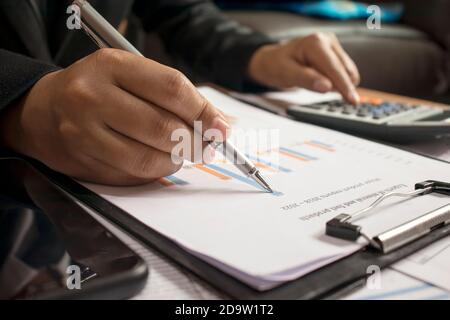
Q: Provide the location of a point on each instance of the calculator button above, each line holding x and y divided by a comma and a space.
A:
379, 114
405, 108
389, 108
315, 106
336, 104
394, 108
402, 107
349, 110
362, 113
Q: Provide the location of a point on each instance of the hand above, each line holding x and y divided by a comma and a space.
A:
108, 118
316, 62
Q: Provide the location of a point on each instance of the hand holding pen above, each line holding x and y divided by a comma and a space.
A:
108, 118
106, 36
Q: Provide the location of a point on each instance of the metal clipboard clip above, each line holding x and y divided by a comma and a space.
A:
341, 226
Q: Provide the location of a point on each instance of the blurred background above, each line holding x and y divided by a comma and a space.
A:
409, 54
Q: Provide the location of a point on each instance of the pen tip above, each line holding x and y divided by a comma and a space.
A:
262, 182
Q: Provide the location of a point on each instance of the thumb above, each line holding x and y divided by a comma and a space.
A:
214, 124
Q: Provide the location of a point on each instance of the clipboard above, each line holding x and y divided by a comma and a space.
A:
329, 282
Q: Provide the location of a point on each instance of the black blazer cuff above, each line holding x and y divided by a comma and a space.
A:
18, 74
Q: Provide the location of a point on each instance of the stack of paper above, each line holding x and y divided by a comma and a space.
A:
394, 285
431, 264
266, 239
168, 282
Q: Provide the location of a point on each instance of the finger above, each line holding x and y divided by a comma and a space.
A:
97, 171
348, 63
324, 59
132, 157
297, 75
143, 121
154, 127
164, 87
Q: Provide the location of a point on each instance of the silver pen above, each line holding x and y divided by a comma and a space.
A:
106, 36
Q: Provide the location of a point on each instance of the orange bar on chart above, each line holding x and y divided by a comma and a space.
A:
165, 182
263, 166
320, 146
212, 172
290, 155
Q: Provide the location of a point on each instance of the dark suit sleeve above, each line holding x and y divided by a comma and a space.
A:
18, 74
196, 32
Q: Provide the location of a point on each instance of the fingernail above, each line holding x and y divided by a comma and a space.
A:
353, 96
322, 86
221, 125
209, 155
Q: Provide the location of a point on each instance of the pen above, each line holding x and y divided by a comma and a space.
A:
106, 36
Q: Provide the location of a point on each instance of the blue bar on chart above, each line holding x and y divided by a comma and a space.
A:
321, 145
177, 181
297, 153
425, 290
269, 164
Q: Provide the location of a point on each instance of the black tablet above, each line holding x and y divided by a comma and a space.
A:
50, 248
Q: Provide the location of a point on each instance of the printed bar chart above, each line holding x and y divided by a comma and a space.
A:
320, 145
212, 172
264, 166
172, 181
301, 151
239, 177
267, 163
296, 154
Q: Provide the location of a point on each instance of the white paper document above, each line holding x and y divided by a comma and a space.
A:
394, 285
289, 97
166, 281
302, 96
265, 239
431, 264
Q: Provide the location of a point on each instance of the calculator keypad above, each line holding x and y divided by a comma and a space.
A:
376, 110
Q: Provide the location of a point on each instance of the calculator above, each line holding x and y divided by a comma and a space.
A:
377, 119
